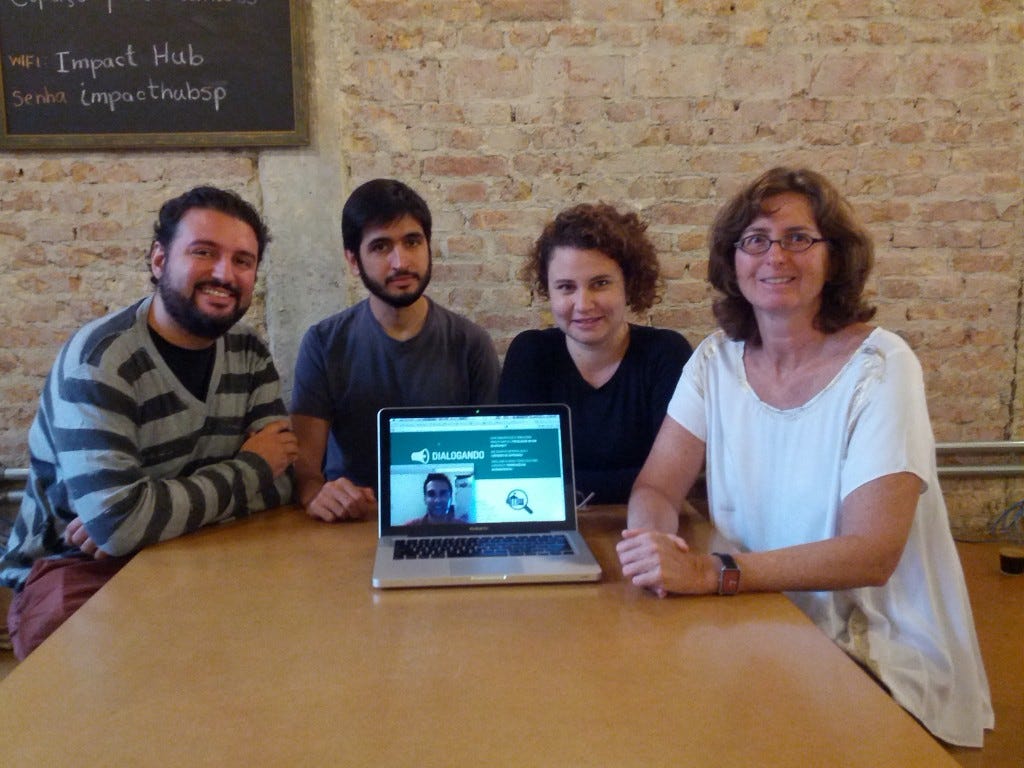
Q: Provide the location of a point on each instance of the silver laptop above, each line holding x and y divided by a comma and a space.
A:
477, 495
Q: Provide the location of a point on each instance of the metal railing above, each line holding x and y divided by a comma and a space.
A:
11, 476
1005, 468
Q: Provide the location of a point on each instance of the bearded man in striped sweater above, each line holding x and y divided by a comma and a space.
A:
155, 420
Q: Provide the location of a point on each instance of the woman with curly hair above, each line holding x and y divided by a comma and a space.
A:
591, 263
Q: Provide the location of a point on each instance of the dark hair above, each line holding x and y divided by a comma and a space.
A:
212, 198
621, 237
850, 252
437, 477
377, 202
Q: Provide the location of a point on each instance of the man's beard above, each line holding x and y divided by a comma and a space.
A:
397, 300
186, 314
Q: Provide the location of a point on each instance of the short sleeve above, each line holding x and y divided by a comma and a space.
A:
889, 430
525, 377
688, 405
310, 396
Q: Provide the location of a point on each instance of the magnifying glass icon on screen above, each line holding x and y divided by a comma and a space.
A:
518, 499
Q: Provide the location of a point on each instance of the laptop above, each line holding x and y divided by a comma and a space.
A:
477, 495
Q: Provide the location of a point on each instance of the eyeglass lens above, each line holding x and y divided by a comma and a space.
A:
758, 244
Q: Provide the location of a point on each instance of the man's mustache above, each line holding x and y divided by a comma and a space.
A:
400, 274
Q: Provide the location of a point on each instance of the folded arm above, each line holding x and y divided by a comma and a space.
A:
875, 521
129, 483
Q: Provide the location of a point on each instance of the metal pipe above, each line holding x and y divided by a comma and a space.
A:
1006, 446
982, 470
10, 474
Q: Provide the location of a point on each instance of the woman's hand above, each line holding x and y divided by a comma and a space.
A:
663, 563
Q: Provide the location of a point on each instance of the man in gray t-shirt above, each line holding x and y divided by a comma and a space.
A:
396, 347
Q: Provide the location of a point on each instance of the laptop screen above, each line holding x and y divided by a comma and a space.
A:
497, 469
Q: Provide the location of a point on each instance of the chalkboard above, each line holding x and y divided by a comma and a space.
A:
152, 73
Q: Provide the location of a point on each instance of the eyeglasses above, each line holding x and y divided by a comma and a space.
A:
794, 242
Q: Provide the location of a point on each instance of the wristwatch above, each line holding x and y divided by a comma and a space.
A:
729, 575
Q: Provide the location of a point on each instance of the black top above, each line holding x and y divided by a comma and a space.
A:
192, 367
613, 426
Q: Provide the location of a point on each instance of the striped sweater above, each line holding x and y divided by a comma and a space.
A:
119, 442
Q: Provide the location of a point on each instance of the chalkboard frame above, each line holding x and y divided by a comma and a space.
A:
298, 135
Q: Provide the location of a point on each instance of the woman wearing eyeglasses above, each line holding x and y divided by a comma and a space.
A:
820, 460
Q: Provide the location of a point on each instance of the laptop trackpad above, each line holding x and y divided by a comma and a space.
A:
489, 566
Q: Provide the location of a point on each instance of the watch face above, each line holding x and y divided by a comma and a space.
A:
730, 581
729, 575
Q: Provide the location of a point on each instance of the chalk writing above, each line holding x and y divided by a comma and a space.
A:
181, 57
43, 5
45, 97
122, 73
154, 91
25, 60
67, 63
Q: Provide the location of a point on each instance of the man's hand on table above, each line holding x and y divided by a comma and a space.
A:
342, 499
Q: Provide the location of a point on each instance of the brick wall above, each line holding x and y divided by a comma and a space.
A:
502, 113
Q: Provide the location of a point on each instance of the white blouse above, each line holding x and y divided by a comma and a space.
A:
777, 478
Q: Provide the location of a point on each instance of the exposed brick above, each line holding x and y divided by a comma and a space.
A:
469, 165
475, 192
621, 35
530, 10
493, 219
846, 74
945, 74
490, 38
503, 76
462, 245
604, 11
899, 288
390, 38
571, 36
959, 210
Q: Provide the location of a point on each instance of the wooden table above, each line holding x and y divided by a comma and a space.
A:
262, 643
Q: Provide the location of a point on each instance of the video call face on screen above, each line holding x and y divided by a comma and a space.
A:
500, 471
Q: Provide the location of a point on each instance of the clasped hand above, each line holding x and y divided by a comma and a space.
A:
75, 535
276, 444
661, 562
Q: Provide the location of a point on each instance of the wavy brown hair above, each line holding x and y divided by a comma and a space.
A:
621, 237
850, 253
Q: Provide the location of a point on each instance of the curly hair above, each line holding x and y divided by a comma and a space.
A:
621, 237
850, 252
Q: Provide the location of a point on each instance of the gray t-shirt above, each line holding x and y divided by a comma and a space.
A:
348, 368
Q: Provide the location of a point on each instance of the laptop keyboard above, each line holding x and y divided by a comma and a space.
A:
481, 546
